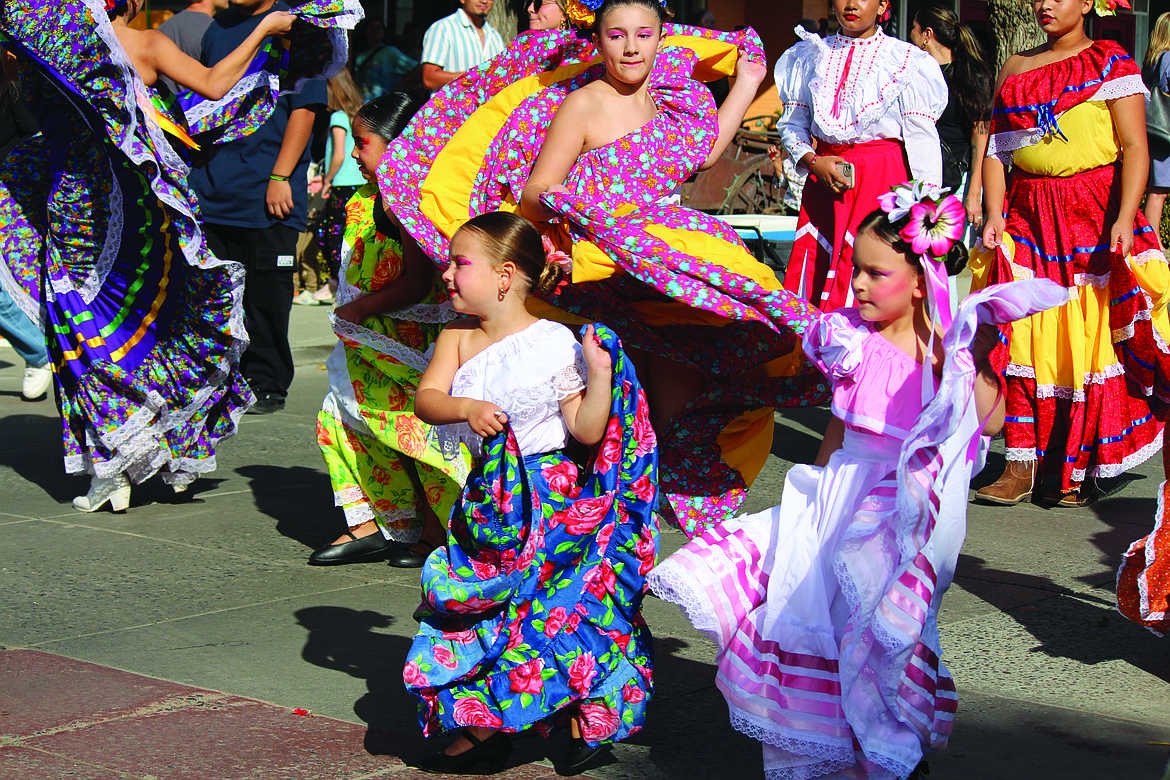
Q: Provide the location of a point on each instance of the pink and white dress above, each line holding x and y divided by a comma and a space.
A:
824, 608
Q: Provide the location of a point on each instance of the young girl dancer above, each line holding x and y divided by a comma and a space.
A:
824, 607
598, 148
868, 100
531, 614
389, 474
1084, 382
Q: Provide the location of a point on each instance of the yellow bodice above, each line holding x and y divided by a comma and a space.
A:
1092, 142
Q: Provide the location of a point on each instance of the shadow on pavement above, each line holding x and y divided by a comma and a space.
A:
799, 446
1082, 626
31, 447
299, 499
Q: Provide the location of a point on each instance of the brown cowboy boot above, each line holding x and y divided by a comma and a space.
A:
1013, 487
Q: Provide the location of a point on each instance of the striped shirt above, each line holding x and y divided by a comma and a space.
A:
453, 43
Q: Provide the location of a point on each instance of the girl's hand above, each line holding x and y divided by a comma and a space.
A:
993, 232
825, 169
751, 71
597, 357
278, 22
350, 312
486, 419
1121, 238
326, 188
986, 339
974, 206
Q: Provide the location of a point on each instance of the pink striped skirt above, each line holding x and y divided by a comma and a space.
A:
824, 614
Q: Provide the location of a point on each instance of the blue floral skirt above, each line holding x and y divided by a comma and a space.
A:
535, 604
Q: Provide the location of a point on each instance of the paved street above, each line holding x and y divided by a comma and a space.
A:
201, 627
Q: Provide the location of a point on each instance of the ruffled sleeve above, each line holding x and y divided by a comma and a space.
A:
920, 104
834, 343
793, 74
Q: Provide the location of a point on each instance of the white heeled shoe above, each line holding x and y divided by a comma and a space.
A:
116, 490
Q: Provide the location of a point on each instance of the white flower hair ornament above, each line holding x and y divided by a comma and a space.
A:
935, 222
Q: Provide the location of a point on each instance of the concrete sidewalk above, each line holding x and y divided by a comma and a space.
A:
209, 595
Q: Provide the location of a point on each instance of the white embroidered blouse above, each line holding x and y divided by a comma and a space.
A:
527, 375
853, 90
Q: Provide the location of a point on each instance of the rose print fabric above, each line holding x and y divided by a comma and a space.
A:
669, 280
383, 461
534, 605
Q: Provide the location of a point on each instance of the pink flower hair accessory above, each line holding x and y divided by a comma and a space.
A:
554, 255
936, 218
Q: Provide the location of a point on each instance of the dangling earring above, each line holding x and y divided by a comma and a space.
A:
503, 292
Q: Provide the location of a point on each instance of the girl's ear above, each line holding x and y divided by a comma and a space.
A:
920, 288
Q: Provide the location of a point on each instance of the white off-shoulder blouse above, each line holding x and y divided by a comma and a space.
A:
527, 375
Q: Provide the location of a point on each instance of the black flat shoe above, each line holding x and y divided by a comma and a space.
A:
267, 404
579, 754
920, 771
367, 548
493, 752
406, 558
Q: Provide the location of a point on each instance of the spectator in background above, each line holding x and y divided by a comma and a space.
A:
458, 42
547, 15
378, 66
341, 178
254, 199
186, 29
18, 124
1156, 75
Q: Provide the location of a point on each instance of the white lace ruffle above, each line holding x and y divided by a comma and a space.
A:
1130, 461
670, 584
1020, 453
407, 356
1120, 87
430, 313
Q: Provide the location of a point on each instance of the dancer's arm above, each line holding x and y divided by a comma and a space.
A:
157, 54
416, 280
587, 413
563, 144
989, 400
833, 440
749, 74
338, 136
995, 172
1129, 117
434, 404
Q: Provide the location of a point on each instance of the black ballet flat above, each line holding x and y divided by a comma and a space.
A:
367, 548
920, 771
406, 558
493, 752
578, 756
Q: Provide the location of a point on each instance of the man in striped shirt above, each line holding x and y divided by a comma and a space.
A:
459, 42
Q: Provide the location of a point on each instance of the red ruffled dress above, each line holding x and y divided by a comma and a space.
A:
1084, 380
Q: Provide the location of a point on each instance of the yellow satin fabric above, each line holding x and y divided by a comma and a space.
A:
1092, 142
